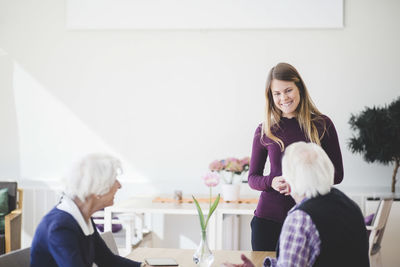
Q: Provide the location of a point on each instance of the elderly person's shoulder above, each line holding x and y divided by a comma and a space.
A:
57, 218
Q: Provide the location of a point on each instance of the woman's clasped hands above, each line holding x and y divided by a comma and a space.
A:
279, 184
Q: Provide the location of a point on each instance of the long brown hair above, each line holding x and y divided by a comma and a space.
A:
306, 112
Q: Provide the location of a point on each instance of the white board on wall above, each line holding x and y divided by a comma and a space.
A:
203, 14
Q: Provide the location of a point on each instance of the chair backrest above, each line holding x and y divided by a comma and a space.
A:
378, 225
110, 242
12, 194
16, 258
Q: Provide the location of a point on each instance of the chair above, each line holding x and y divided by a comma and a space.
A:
124, 221
377, 228
11, 240
16, 258
110, 242
98, 218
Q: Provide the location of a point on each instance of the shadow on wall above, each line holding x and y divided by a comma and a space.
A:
50, 135
40, 139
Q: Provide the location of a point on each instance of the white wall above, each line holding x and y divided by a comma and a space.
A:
9, 155
169, 102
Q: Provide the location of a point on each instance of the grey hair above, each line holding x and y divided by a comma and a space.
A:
307, 169
93, 174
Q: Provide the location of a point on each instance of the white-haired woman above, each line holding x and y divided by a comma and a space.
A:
67, 236
325, 227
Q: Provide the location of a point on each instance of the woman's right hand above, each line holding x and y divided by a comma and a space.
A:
246, 263
279, 184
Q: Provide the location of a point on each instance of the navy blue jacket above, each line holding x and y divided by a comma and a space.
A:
59, 241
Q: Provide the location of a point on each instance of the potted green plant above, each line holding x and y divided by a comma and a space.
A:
378, 135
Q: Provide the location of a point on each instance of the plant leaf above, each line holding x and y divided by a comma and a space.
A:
212, 209
201, 216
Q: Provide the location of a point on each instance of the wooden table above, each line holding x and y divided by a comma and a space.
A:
184, 256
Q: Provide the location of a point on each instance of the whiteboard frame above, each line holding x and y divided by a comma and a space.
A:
203, 14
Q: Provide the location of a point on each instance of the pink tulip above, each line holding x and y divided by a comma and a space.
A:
211, 179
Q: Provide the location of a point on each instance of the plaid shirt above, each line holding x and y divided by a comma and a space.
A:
299, 242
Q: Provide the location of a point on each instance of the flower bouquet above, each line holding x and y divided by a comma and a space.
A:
231, 168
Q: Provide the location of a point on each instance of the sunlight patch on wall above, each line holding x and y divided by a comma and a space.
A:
51, 137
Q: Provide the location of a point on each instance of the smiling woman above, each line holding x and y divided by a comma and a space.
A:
286, 97
291, 116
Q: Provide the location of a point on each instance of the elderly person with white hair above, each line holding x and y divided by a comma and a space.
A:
325, 227
67, 235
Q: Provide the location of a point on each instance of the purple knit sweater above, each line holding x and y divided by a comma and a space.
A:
272, 205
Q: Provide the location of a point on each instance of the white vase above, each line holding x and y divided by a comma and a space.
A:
230, 192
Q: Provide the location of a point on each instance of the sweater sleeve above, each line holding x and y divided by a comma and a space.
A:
330, 144
259, 156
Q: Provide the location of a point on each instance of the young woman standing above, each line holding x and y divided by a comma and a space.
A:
291, 116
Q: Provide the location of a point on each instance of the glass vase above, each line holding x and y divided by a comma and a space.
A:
203, 257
